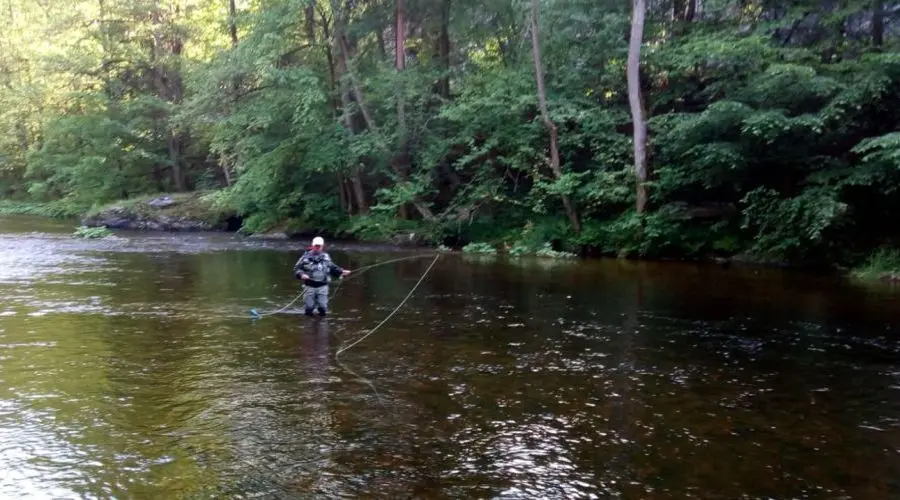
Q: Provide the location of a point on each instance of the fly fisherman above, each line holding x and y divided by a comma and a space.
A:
316, 269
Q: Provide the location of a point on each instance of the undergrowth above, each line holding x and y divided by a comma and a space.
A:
479, 248
883, 264
56, 209
92, 232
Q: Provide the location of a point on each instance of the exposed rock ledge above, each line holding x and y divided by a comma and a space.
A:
180, 212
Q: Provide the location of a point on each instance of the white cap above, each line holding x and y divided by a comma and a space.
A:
318, 241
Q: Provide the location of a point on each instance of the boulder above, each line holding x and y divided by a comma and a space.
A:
161, 202
407, 239
122, 218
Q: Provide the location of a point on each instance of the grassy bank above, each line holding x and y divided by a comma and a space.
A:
57, 210
883, 265
204, 210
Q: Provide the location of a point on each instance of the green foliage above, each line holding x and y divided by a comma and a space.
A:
378, 227
547, 251
791, 228
793, 87
796, 135
92, 232
96, 156
882, 149
883, 264
479, 248
59, 210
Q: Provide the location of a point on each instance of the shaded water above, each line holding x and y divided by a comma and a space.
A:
129, 368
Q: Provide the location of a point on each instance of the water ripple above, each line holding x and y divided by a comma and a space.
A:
131, 368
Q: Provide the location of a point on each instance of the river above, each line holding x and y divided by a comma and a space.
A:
131, 368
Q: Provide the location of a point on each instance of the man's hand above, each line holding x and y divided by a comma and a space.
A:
346, 272
304, 277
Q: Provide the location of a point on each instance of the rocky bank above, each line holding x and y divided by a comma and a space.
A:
176, 212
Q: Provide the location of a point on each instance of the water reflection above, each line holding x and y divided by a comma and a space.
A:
129, 373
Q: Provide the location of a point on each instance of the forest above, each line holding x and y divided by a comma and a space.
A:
759, 129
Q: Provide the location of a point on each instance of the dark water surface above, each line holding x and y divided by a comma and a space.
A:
129, 368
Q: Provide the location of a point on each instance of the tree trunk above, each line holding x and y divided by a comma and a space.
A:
343, 193
173, 144
347, 193
344, 51
168, 86
232, 23
878, 23
104, 51
423, 210
443, 85
228, 164
356, 172
691, 10
684, 10
382, 49
569, 206
354, 83
310, 13
401, 158
332, 73
359, 190
22, 134
226, 172
340, 68
400, 38
635, 101
678, 10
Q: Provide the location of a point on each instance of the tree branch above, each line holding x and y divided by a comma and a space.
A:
571, 211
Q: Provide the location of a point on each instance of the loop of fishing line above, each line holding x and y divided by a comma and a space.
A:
373, 330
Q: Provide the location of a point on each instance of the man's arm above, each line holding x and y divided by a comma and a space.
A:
300, 268
335, 270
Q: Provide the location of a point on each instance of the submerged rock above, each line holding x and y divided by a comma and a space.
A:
752, 259
271, 235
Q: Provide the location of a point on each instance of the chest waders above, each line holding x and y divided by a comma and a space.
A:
316, 292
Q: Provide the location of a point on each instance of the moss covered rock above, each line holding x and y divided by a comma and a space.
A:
165, 212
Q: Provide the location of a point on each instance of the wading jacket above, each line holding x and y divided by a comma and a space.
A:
318, 266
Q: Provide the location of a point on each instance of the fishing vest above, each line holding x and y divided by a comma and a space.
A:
318, 268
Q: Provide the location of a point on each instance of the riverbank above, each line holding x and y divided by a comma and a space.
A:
199, 211
54, 210
882, 265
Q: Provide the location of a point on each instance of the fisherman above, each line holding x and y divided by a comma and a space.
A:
316, 269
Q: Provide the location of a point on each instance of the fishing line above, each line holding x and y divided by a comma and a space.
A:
373, 330
363, 379
265, 475
257, 315
369, 267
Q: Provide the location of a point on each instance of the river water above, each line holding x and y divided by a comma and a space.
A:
130, 368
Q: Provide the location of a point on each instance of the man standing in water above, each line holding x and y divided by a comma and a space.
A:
316, 269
